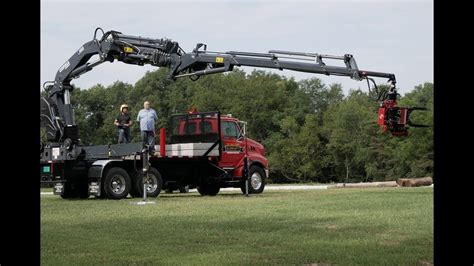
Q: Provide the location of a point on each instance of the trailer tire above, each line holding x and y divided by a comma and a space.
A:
256, 182
156, 184
117, 183
208, 189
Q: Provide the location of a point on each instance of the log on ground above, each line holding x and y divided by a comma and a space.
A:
415, 182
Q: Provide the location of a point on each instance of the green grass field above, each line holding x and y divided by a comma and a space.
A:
390, 226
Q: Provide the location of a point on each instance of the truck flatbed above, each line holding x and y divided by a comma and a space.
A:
128, 151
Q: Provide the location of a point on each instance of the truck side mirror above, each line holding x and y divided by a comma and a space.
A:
241, 134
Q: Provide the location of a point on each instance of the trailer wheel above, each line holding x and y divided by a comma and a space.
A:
208, 189
117, 183
256, 182
154, 183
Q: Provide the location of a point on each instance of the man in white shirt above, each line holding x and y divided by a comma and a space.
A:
147, 118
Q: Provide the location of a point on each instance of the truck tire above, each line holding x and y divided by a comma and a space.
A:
83, 190
256, 182
134, 192
208, 189
70, 190
154, 184
117, 183
75, 188
184, 189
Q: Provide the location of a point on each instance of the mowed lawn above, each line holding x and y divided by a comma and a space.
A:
391, 226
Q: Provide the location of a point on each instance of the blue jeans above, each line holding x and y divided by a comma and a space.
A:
123, 135
148, 137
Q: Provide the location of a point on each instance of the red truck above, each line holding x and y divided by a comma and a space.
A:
207, 151
235, 146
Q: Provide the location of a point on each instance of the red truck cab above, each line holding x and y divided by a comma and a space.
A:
235, 147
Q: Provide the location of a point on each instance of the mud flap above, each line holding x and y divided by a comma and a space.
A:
58, 189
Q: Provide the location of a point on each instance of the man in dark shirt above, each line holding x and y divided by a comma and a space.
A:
123, 123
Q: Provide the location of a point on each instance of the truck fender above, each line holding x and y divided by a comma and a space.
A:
96, 170
239, 171
261, 165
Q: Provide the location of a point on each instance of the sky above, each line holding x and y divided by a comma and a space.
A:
383, 36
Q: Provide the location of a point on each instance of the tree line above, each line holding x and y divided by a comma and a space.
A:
312, 132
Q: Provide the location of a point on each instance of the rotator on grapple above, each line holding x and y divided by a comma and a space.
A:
390, 116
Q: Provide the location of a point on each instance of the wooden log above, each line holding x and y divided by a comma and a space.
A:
415, 182
364, 185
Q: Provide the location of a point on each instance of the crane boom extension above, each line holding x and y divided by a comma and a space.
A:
204, 62
56, 111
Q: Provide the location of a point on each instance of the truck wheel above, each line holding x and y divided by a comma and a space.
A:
256, 181
117, 183
70, 190
154, 183
134, 192
83, 190
208, 189
184, 189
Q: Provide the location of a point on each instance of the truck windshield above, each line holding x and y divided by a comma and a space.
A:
229, 129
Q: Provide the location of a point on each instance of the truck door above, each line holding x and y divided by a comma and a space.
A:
234, 145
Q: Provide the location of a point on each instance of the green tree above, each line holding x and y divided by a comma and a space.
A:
347, 124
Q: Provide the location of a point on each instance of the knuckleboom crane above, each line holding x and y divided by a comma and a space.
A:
56, 111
